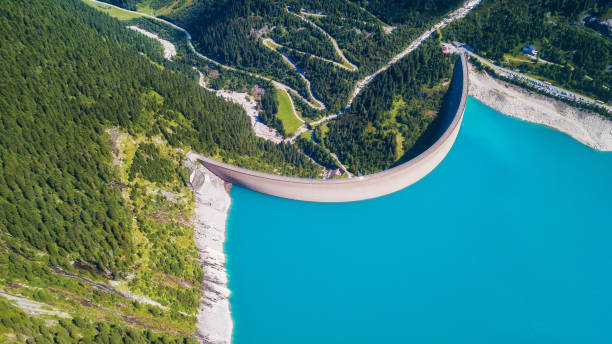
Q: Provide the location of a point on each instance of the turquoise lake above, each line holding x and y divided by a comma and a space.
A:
509, 240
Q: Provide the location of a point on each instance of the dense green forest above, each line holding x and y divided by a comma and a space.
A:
392, 113
30, 329
317, 153
230, 31
334, 94
52, 143
579, 56
366, 34
75, 84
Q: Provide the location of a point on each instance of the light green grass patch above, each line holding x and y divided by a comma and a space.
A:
391, 123
307, 136
120, 14
268, 43
518, 58
145, 7
346, 64
286, 114
175, 6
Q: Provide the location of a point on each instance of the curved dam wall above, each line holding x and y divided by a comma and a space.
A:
365, 187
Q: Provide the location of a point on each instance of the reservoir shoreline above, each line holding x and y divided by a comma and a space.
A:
590, 129
212, 202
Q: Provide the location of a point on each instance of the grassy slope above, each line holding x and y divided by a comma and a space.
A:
286, 114
112, 11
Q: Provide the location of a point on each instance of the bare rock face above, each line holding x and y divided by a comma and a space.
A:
591, 129
212, 204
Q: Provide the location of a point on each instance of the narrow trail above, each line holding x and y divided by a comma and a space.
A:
100, 286
318, 105
297, 70
339, 65
107, 288
385, 25
349, 66
333, 155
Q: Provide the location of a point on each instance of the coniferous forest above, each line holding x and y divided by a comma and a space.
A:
71, 77
61, 90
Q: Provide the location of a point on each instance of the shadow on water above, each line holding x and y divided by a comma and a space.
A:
437, 128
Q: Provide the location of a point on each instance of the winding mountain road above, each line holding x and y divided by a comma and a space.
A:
361, 84
318, 106
348, 65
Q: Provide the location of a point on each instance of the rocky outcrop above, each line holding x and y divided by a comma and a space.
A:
212, 202
169, 48
591, 129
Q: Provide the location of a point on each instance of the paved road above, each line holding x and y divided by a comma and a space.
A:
457, 14
540, 85
333, 155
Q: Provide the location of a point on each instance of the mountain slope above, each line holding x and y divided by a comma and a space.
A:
94, 202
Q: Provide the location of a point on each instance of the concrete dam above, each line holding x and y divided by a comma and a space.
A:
362, 187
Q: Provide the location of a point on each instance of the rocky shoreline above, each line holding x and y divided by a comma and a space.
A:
212, 203
590, 129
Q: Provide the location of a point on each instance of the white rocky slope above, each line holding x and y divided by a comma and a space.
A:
250, 106
590, 129
169, 48
212, 202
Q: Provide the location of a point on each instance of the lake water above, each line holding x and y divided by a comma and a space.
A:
509, 240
